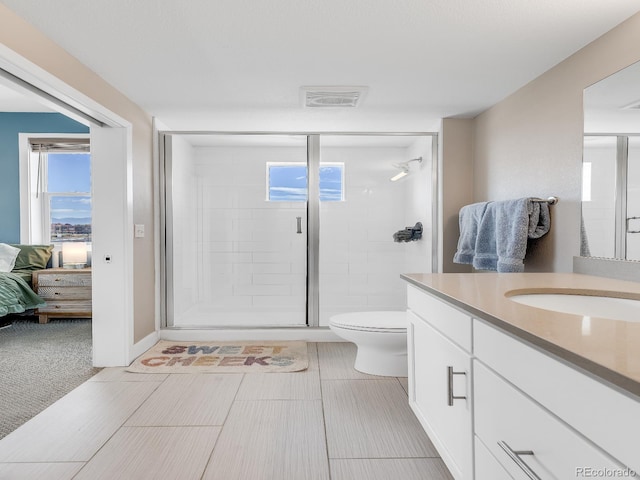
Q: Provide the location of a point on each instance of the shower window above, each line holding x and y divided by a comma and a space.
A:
287, 182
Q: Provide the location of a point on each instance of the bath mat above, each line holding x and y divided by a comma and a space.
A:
222, 357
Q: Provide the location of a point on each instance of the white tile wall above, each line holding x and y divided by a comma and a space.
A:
249, 265
360, 265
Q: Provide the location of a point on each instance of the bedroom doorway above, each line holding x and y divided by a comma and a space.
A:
112, 216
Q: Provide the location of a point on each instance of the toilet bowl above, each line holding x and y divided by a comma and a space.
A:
381, 339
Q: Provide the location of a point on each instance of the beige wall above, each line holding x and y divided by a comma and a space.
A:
456, 150
28, 42
530, 144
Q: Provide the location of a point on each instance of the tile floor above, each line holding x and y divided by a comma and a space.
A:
329, 422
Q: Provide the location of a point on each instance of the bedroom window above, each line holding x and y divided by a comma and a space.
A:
287, 182
59, 197
67, 197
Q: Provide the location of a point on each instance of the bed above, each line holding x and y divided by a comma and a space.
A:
17, 263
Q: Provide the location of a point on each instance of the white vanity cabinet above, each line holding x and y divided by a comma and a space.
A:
524, 438
525, 413
440, 378
573, 423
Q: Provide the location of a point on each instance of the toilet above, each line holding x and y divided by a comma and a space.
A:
381, 339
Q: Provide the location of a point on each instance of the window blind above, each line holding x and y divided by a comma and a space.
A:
46, 145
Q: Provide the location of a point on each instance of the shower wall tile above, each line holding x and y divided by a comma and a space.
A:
218, 246
254, 290
277, 279
336, 281
209, 258
265, 245
332, 268
227, 301
217, 197
265, 268
345, 300
385, 302
277, 257
279, 301
357, 257
334, 252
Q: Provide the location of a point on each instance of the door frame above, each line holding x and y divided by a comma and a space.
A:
112, 323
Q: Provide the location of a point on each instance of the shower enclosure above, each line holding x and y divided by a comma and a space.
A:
285, 230
611, 195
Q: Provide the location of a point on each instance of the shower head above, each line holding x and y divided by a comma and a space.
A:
404, 168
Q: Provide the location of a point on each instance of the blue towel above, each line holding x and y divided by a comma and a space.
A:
503, 231
469, 220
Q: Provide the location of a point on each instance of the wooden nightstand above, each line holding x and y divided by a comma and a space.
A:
66, 291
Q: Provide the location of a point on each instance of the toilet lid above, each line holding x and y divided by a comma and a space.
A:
388, 321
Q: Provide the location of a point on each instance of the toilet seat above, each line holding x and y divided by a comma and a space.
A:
383, 321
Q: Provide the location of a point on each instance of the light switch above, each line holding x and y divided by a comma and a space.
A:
139, 230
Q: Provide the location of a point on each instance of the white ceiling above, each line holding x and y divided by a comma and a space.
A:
220, 64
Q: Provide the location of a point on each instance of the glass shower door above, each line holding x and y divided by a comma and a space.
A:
360, 209
236, 223
633, 200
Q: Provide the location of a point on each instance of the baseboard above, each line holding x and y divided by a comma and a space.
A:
143, 345
307, 334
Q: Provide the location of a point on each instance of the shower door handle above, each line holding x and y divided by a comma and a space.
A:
299, 222
628, 221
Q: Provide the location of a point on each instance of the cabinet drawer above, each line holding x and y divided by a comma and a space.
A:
486, 466
453, 323
571, 395
67, 293
67, 306
64, 279
503, 414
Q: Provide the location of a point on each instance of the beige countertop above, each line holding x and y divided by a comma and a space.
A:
607, 349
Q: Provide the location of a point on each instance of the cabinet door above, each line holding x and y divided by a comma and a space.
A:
439, 370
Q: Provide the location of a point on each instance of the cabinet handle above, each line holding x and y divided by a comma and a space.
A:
515, 456
452, 397
299, 224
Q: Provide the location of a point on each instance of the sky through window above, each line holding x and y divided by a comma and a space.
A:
288, 182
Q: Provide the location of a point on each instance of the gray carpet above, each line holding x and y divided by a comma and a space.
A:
39, 364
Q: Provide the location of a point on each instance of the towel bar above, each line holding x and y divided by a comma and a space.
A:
550, 200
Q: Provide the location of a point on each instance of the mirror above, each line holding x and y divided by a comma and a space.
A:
611, 167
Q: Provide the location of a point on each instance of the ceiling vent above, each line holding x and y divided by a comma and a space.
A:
332, 97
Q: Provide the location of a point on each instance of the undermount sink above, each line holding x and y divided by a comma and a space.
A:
586, 305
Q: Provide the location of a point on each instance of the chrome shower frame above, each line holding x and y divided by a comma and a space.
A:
313, 215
